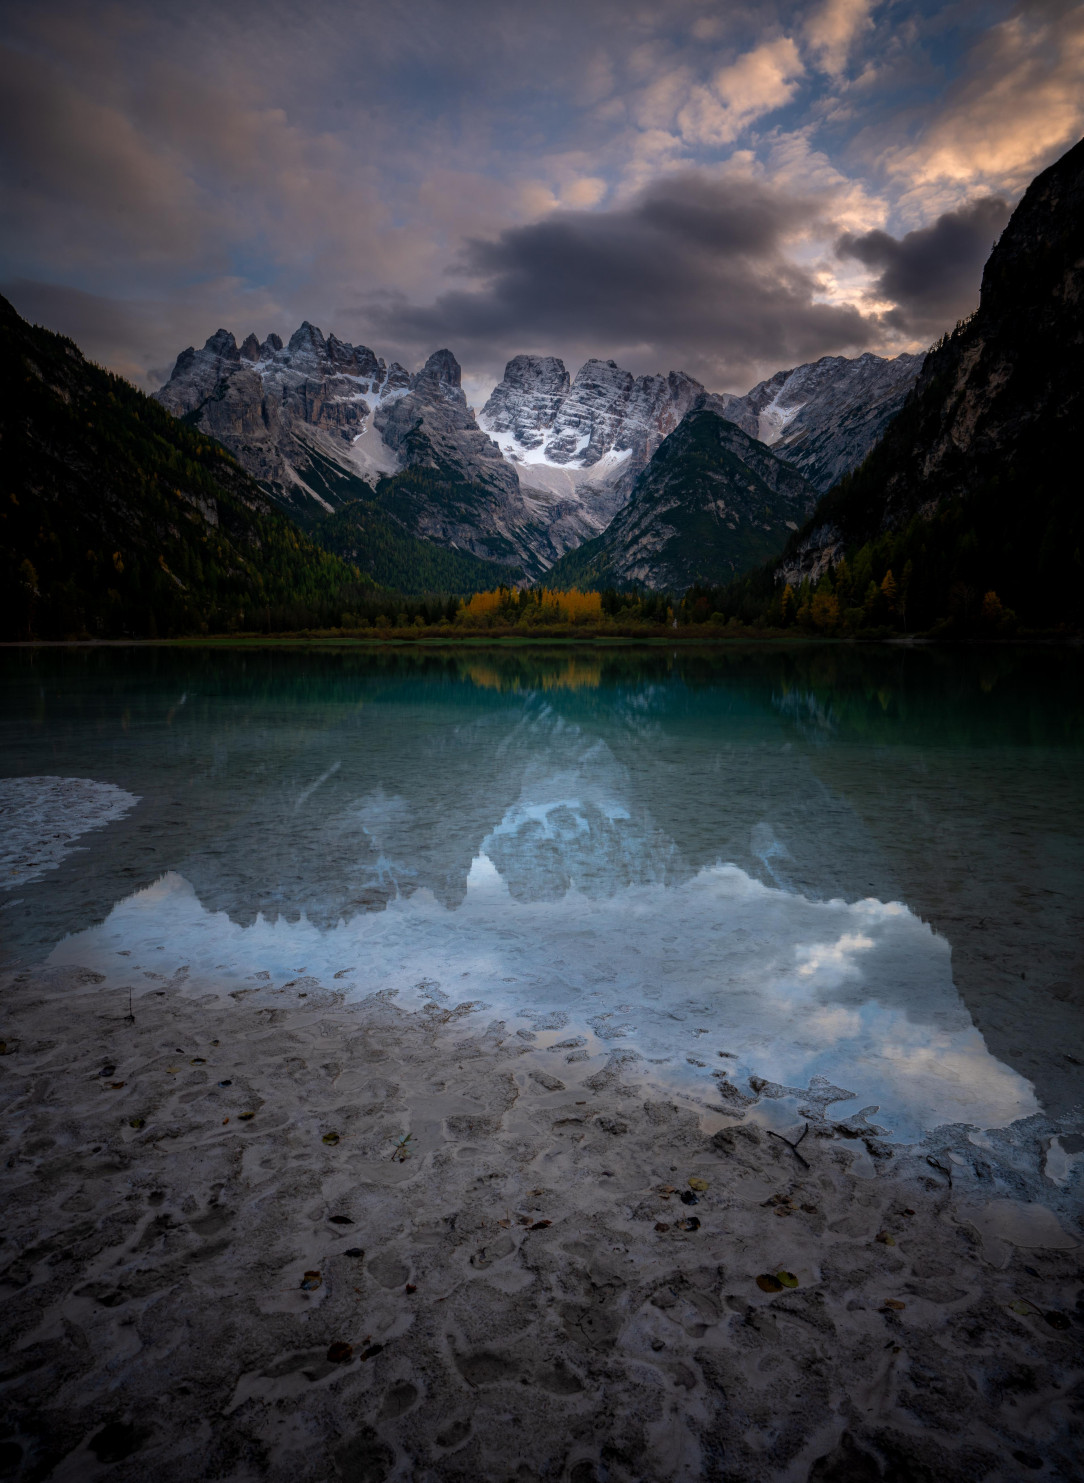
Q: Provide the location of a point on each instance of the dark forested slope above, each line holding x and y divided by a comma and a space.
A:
117, 519
973, 501
712, 503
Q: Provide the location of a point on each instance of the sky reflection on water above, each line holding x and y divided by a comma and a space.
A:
681, 869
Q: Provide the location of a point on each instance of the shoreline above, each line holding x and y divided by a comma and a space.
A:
431, 641
535, 1301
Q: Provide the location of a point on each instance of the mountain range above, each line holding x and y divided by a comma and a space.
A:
307, 479
543, 468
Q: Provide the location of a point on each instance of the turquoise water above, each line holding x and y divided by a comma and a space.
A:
866, 865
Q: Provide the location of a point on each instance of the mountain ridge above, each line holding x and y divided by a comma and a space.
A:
711, 503
971, 499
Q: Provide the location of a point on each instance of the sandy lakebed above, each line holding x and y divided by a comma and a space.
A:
283, 1233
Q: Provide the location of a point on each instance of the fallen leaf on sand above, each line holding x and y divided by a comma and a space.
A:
1057, 1320
788, 1279
246, 1116
885, 1239
895, 1304
225, 1120
354, 1251
372, 1351
340, 1220
540, 1225
138, 1122
115, 1086
340, 1352
199, 1060
311, 1281
690, 1223
767, 1282
660, 1225
412, 1287
698, 1184
688, 1198
330, 1138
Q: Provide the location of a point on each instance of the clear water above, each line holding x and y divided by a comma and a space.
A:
866, 865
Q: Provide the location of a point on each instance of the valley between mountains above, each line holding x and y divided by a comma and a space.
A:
272, 485
547, 463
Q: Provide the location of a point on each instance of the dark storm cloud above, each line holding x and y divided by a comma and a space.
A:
932, 275
693, 273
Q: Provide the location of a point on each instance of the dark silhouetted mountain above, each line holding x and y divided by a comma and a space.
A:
711, 503
975, 487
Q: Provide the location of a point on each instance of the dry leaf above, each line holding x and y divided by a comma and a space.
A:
768, 1282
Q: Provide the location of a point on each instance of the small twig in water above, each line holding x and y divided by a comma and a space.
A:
129, 1018
793, 1146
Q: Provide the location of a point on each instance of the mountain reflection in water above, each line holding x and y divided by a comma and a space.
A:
793, 852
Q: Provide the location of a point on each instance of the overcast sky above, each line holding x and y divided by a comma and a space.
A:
720, 188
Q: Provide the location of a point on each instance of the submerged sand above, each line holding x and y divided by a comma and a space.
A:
276, 1234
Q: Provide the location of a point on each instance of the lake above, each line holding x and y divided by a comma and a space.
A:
864, 864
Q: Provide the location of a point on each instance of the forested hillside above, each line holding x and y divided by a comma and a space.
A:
116, 519
968, 515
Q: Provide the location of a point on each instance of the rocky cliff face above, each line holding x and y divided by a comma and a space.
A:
315, 418
985, 451
712, 503
547, 465
826, 416
606, 416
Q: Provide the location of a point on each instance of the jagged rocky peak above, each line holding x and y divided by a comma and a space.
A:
222, 344
307, 338
538, 416
825, 416
439, 377
250, 350
525, 403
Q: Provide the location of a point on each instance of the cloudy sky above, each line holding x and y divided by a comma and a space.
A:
722, 188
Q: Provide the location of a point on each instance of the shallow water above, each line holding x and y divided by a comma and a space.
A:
866, 865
